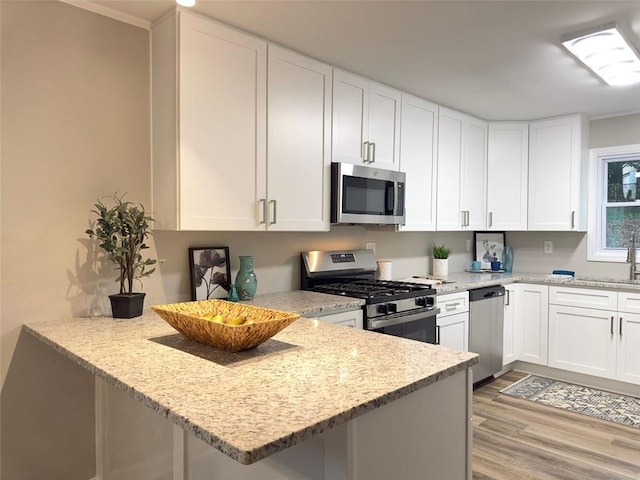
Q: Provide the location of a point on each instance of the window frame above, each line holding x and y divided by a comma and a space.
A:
596, 229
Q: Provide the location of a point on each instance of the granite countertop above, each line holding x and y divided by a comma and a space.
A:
306, 303
310, 377
468, 281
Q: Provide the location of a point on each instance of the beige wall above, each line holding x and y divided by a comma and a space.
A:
609, 132
75, 126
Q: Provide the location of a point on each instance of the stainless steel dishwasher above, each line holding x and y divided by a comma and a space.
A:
486, 321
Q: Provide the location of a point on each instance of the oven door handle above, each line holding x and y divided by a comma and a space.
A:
375, 324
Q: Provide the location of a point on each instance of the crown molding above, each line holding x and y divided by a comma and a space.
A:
109, 12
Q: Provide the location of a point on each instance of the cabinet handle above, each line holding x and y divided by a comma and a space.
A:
437, 334
263, 201
490, 219
573, 219
620, 326
373, 150
611, 324
451, 306
365, 152
508, 298
465, 217
275, 213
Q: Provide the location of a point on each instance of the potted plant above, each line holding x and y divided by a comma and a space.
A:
122, 231
440, 260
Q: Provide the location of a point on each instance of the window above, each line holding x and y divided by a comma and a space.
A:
614, 201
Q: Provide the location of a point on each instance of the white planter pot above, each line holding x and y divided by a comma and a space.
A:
440, 267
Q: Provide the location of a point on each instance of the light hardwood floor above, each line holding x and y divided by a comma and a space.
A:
518, 439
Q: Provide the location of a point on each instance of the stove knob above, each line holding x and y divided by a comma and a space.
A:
421, 301
393, 308
383, 309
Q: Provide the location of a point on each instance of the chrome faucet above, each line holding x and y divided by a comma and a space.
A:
631, 257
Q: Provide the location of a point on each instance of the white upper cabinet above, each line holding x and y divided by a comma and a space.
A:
366, 122
209, 96
558, 174
209, 125
418, 153
299, 147
462, 164
507, 176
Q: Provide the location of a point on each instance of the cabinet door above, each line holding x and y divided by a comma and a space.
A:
384, 126
628, 368
473, 168
222, 119
348, 319
557, 174
507, 176
418, 160
350, 117
449, 216
512, 339
583, 340
298, 156
453, 331
533, 311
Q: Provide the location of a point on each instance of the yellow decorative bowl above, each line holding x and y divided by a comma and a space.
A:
261, 323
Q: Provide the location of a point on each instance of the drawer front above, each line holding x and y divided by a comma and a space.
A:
629, 302
452, 303
584, 297
352, 318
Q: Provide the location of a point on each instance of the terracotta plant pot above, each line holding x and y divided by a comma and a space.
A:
127, 305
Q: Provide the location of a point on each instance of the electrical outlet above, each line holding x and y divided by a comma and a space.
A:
548, 247
371, 246
468, 245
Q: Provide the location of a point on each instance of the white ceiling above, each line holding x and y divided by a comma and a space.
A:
499, 60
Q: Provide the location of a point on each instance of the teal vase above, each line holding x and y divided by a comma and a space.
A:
507, 259
246, 281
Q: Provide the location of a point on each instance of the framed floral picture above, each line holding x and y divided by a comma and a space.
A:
210, 272
488, 247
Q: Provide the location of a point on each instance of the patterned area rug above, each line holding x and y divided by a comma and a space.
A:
575, 398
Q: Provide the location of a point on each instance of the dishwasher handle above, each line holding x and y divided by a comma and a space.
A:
486, 293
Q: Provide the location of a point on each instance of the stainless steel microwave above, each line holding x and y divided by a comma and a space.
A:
366, 195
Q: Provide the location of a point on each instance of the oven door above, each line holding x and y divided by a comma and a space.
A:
420, 327
366, 195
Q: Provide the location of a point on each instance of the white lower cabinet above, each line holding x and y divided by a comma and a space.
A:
628, 367
582, 340
352, 318
600, 337
453, 320
512, 341
533, 320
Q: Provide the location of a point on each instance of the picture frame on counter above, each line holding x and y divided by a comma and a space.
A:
488, 247
210, 272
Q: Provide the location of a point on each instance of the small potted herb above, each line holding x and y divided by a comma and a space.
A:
440, 260
122, 230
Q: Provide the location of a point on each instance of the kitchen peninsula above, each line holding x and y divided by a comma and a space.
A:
317, 401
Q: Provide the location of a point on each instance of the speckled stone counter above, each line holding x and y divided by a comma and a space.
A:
467, 281
310, 377
306, 303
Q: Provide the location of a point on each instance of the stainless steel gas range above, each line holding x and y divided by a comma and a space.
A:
401, 309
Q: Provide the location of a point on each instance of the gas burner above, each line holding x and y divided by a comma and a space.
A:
375, 290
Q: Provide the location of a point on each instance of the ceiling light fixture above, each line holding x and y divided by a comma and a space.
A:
186, 3
608, 54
